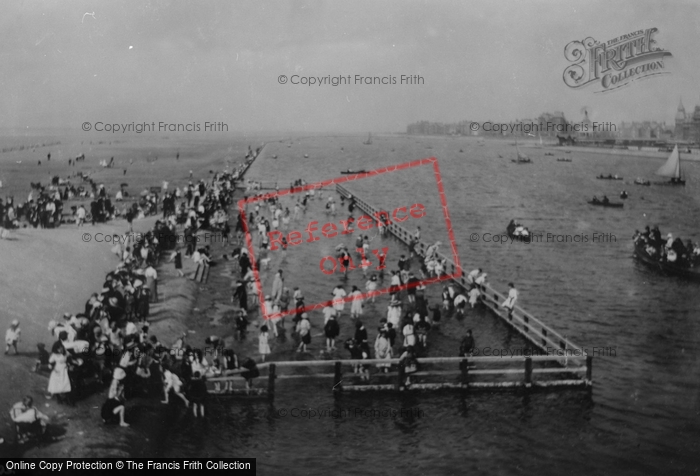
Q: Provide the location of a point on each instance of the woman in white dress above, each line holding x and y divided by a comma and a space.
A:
263, 342
338, 303
356, 304
59, 382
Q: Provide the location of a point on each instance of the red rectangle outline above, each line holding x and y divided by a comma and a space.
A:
347, 178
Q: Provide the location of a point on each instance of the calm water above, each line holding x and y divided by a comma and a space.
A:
643, 415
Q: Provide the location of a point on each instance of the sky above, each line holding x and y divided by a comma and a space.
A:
66, 62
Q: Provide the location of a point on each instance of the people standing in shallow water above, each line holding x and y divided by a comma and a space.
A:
197, 393
331, 330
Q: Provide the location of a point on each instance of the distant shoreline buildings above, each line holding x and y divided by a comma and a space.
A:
549, 125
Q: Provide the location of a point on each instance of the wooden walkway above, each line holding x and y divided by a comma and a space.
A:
563, 364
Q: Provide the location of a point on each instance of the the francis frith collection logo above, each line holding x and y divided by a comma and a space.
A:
616, 63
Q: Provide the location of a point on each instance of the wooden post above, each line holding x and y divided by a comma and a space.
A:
337, 388
401, 377
528, 371
589, 370
271, 381
465, 371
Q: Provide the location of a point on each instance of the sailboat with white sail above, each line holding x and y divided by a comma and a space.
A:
369, 140
522, 158
672, 169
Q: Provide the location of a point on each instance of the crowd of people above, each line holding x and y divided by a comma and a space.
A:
402, 333
108, 342
668, 249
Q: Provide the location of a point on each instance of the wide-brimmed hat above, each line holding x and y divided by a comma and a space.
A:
119, 373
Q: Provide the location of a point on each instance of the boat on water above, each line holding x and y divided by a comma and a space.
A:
641, 181
369, 140
549, 153
518, 232
348, 171
522, 158
609, 177
642, 253
672, 169
563, 160
605, 203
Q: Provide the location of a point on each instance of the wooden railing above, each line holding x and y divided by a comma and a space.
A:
451, 372
535, 331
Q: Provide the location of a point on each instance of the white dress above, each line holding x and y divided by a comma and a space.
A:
263, 343
59, 381
356, 305
338, 302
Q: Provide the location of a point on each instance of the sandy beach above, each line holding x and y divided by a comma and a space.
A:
51, 271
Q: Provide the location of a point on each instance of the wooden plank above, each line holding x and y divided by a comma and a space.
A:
292, 376
497, 372
559, 371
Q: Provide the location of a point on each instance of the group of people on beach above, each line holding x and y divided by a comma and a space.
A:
108, 342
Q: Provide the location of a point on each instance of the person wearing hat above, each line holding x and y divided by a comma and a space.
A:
460, 303
12, 336
28, 418
304, 330
113, 409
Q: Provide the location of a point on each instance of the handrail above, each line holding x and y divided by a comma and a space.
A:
422, 360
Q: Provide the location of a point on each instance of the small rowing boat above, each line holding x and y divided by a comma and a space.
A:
600, 203
348, 172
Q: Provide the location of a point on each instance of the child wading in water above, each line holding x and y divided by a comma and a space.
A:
197, 393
